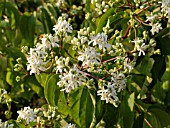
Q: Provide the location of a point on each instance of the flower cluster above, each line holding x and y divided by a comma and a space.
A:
165, 7
108, 90
100, 6
62, 28
40, 117
109, 55
27, 114
37, 56
4, 98
6, 124
70, 126
72, 79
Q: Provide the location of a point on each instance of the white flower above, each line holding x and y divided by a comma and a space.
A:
61, 63
35, 61
47, 42
101, 40
108, 93
141, 49
155, 28
165, 7
150, 17
89, 56
127, 65
71, 79
59, 3
27, 114
137, 41
5, 124
53, 40
70, 126
119, 81
140, 46
63, 27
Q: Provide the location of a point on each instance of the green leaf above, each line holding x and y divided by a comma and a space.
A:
151, 121
46, 20
81, 107
33, 83
27, 28
63, 108
158, 69
15, 53
145, 65
138, 123
52, 90
11, 12
111, 115
127, 111
103, 20
163, 38
42, 78
87, 5
53, 11
100, 110
161, 115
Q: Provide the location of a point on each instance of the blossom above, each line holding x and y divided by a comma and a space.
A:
151, 17
101, 40
70, 126
137, 41
89, 56
108, 93
5, 124
35, 61
140, 46
165, 7
63, 27
71, 79
127, 65
61, 63
27, 114
141, 49
155, 28
119, 81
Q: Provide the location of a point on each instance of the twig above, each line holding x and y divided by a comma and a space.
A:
127, 32
109, 60
148, 123
92, 76
140, 21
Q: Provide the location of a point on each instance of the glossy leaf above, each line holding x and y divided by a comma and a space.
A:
103, 20
127, 111
52, 90
34, 85
27, 28
81, 107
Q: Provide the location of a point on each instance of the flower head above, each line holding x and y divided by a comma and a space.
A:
89, 56
62, 27
101, 40
27, 114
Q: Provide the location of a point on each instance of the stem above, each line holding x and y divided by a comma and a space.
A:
129, 3
92, 76
127, 32
148, 123
109, 60
140, 21
142, 10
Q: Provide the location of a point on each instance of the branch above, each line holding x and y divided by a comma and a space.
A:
140, 21
109, 60
92, 76
127, 32
148, 123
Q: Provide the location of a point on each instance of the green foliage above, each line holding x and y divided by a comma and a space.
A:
144, 103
